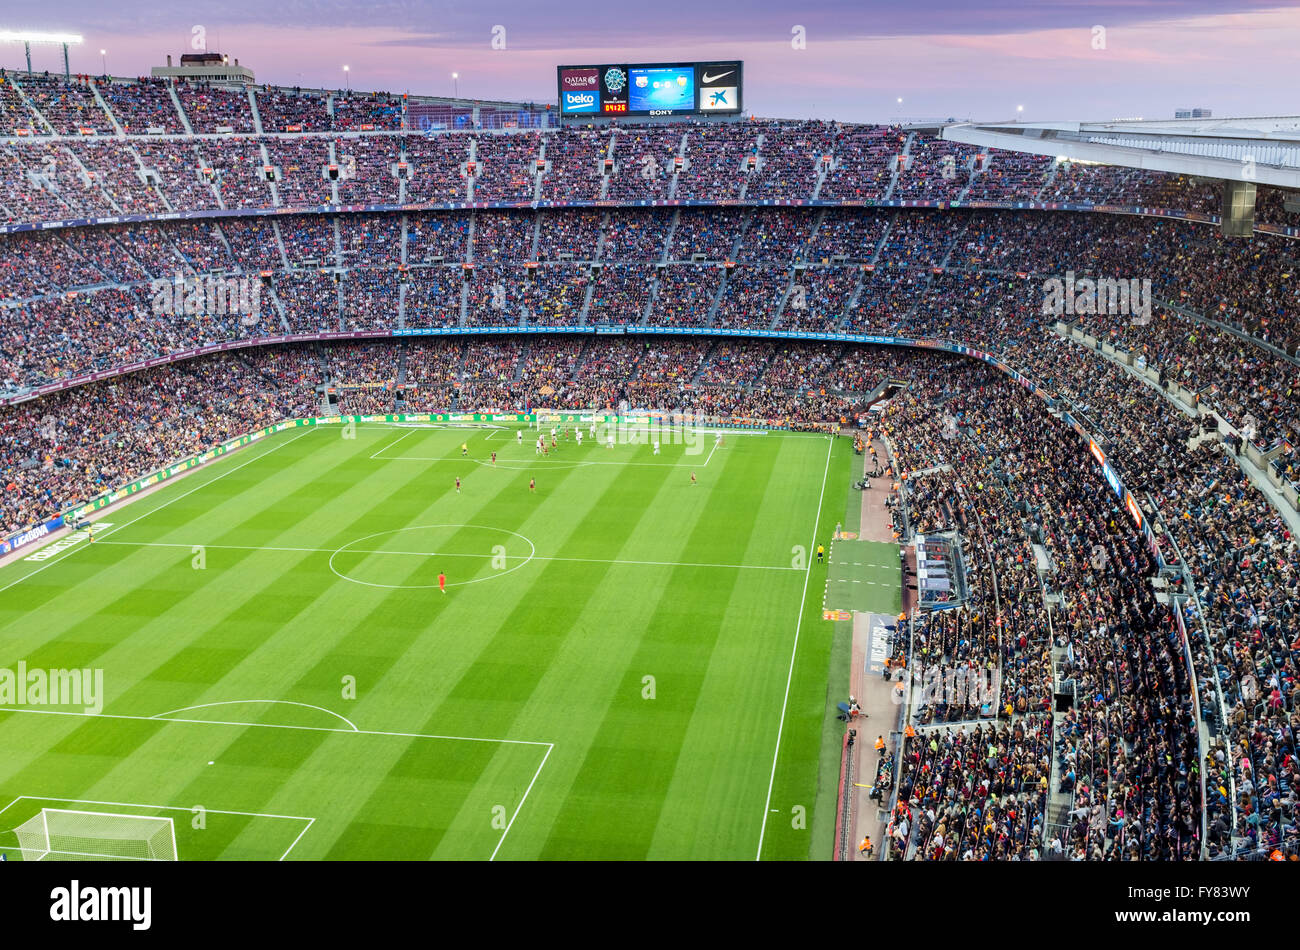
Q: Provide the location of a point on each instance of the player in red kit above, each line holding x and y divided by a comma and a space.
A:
532, 485
494, 460
692, 478
457, 484
442, 582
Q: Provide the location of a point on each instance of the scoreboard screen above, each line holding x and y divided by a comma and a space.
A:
648, 89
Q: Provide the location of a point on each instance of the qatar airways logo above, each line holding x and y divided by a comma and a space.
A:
580, 79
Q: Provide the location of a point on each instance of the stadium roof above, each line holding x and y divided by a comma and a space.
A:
1208, 148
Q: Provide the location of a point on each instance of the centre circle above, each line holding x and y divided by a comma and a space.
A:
403, 544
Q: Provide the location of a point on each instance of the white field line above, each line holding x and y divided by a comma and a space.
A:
381, 451
550, 746
86, 854
118, 527
520, 557
246, 702
212, 811
526, 462
794, 651
267, 725
297, 839
508, 463
521, 802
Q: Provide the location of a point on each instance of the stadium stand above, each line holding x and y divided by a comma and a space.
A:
1194, 405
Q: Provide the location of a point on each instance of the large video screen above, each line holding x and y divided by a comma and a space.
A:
648, 89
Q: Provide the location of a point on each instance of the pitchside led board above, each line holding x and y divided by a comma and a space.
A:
651, 89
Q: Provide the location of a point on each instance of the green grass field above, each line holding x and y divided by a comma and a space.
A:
612, 672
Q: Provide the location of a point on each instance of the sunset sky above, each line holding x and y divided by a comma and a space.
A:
960, 58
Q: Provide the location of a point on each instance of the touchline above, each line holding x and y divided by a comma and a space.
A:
41, 687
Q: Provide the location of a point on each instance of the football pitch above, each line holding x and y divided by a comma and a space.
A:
623, 665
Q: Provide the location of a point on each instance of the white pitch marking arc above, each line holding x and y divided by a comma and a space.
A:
243, 702
532, 550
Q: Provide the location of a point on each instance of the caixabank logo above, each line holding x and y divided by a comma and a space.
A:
719, 87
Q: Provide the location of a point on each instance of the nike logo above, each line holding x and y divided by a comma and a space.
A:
706, 78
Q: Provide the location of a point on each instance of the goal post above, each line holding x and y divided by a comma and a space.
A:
63, 834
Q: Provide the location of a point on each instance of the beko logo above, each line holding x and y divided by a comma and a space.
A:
705, 78
580, 99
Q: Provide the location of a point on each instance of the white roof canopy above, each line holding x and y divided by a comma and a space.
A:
1265, 150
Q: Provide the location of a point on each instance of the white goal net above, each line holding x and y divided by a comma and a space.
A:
58, 834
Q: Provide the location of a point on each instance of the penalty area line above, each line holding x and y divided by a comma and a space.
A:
385, 448
550, 746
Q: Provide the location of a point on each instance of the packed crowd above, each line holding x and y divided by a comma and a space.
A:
977, 278
1127, 756
755, 160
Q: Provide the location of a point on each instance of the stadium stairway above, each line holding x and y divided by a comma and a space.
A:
31, 106
716, 301
279, 309
279, 245
668, 238
215, 183
112, 119
334, 185
973, 175
1046, 189
225, 242
651, 296
180, 110
155, 184
897, 169
539, 174
471, 180
681, 153
537, 233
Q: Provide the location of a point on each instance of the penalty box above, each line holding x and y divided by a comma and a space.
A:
380, 795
